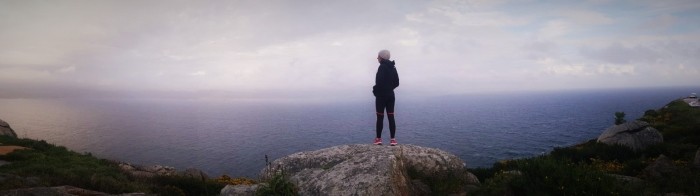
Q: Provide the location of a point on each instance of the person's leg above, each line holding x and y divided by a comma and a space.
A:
380, 104
390, 114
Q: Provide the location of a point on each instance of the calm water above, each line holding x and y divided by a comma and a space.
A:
233, 137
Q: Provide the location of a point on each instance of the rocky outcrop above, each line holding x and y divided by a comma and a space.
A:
636, 135
6, 130
240, 190
661, 168
194, 173
365, 169
139, 171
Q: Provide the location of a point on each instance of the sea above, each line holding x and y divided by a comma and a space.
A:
235, 137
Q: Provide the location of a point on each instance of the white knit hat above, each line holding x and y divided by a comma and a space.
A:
384, 54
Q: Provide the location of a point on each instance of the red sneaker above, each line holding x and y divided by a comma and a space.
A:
393, 142
377, 141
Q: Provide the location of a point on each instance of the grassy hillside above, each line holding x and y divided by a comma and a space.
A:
593, 168
49, 165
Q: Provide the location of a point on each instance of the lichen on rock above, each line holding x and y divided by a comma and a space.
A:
365, 169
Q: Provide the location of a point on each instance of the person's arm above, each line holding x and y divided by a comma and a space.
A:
396, 78
378, 81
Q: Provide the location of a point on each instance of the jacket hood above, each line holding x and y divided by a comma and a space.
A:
387, 62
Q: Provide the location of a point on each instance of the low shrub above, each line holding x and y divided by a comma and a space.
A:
682, 151
278, 185
55, 166
590, 150
188, 185
441, 183
224, 179
49, 165
483, 173
677, 121
552, 176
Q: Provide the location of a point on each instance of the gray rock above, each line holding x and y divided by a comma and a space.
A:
239, 190
4, 162
159, 170
635, 134
126, 167
472, 179
147, 171
6, 130
696, 162
142, 174
662, 167
195, 173
365, 169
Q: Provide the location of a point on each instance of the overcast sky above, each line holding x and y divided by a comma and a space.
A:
329, 48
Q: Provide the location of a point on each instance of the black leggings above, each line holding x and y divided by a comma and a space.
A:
388, 103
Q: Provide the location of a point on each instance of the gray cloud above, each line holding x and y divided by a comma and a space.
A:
311, 48
616, 53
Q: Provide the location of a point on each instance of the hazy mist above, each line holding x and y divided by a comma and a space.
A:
327, 49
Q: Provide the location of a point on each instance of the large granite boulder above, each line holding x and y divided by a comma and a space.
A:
6, 130
194, 173
635, 134
365, 169
661, 168
239, 190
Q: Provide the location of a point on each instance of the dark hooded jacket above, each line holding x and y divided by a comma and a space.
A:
387, 79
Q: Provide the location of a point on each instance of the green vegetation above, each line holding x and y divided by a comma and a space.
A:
678, 122
590, 168
551, 176
224, 179
442, 183
619, 118
49, 165
186, 185
277, 183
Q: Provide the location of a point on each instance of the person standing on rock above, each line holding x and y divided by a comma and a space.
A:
386, 81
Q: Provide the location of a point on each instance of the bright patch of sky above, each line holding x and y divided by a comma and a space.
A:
328, 49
